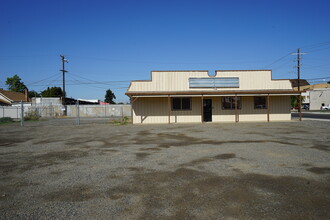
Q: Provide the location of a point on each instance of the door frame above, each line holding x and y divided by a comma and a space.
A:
209, 99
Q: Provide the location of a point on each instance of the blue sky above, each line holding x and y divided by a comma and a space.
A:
109, 43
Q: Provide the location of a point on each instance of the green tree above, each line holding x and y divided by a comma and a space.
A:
109, 97
33, 93
295, 100
52, 92
14, 84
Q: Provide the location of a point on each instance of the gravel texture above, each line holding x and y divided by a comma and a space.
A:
278, 170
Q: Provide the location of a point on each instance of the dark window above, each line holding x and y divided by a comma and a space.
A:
176, 104
181, 103
260, 102
229, 102
186, 103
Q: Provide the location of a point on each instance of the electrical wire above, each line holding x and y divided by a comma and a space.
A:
327, 48
277, 60
316, 45
31, 84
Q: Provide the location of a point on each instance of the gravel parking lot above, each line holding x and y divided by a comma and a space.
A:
278, 170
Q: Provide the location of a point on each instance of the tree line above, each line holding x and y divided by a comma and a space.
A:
15, 84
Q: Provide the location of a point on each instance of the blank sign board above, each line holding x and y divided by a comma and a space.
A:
219, 82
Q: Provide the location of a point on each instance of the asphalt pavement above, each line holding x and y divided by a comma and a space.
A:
312, 115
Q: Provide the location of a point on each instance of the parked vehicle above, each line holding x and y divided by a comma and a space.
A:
325, 108
305, 106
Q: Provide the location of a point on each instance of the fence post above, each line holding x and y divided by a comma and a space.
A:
78, 114
22, 114
122, 113
105, 110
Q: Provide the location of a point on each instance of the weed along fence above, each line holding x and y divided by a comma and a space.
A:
76, 114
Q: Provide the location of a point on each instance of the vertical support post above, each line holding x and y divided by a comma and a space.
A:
298, 68
300, 113
132, 111
236, 112
169, 108
268, 108
22, 114
78, 113
202, 109
132, 103
122, 113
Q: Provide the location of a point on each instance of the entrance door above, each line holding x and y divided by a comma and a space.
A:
207, 110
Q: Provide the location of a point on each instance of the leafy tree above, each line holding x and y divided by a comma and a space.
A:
52, 92
14, 84
33, 93
295, 100
109, 97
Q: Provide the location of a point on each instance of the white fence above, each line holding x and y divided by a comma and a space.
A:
53, 111
13, 112
99, 111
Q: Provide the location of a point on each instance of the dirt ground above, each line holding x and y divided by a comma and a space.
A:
278, 170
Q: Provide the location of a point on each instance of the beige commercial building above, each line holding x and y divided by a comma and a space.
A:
195, 96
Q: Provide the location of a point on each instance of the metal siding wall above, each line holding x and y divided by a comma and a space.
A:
150, 110
155, 110
179, 81
279, 108
193, 115
249, 113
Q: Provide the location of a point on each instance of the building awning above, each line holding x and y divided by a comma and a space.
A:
213, 93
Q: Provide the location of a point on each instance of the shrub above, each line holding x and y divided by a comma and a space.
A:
123, 121
32, 115
6, 120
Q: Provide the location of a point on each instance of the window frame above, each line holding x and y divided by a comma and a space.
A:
232, 103
180, 108
259, 97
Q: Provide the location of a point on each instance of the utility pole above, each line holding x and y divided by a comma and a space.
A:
63, 75
298, 68
298, 72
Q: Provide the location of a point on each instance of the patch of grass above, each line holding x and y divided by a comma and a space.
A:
123, 121
6, 120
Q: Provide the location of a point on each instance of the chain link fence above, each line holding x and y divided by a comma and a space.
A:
76, 114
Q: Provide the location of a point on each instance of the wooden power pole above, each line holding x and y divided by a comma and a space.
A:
298, 72
63, 76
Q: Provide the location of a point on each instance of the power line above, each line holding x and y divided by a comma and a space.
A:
87, 84
98, 82
51, 83
318, 50
316, 45
54, 75
277, 60
319, 78
162, 62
